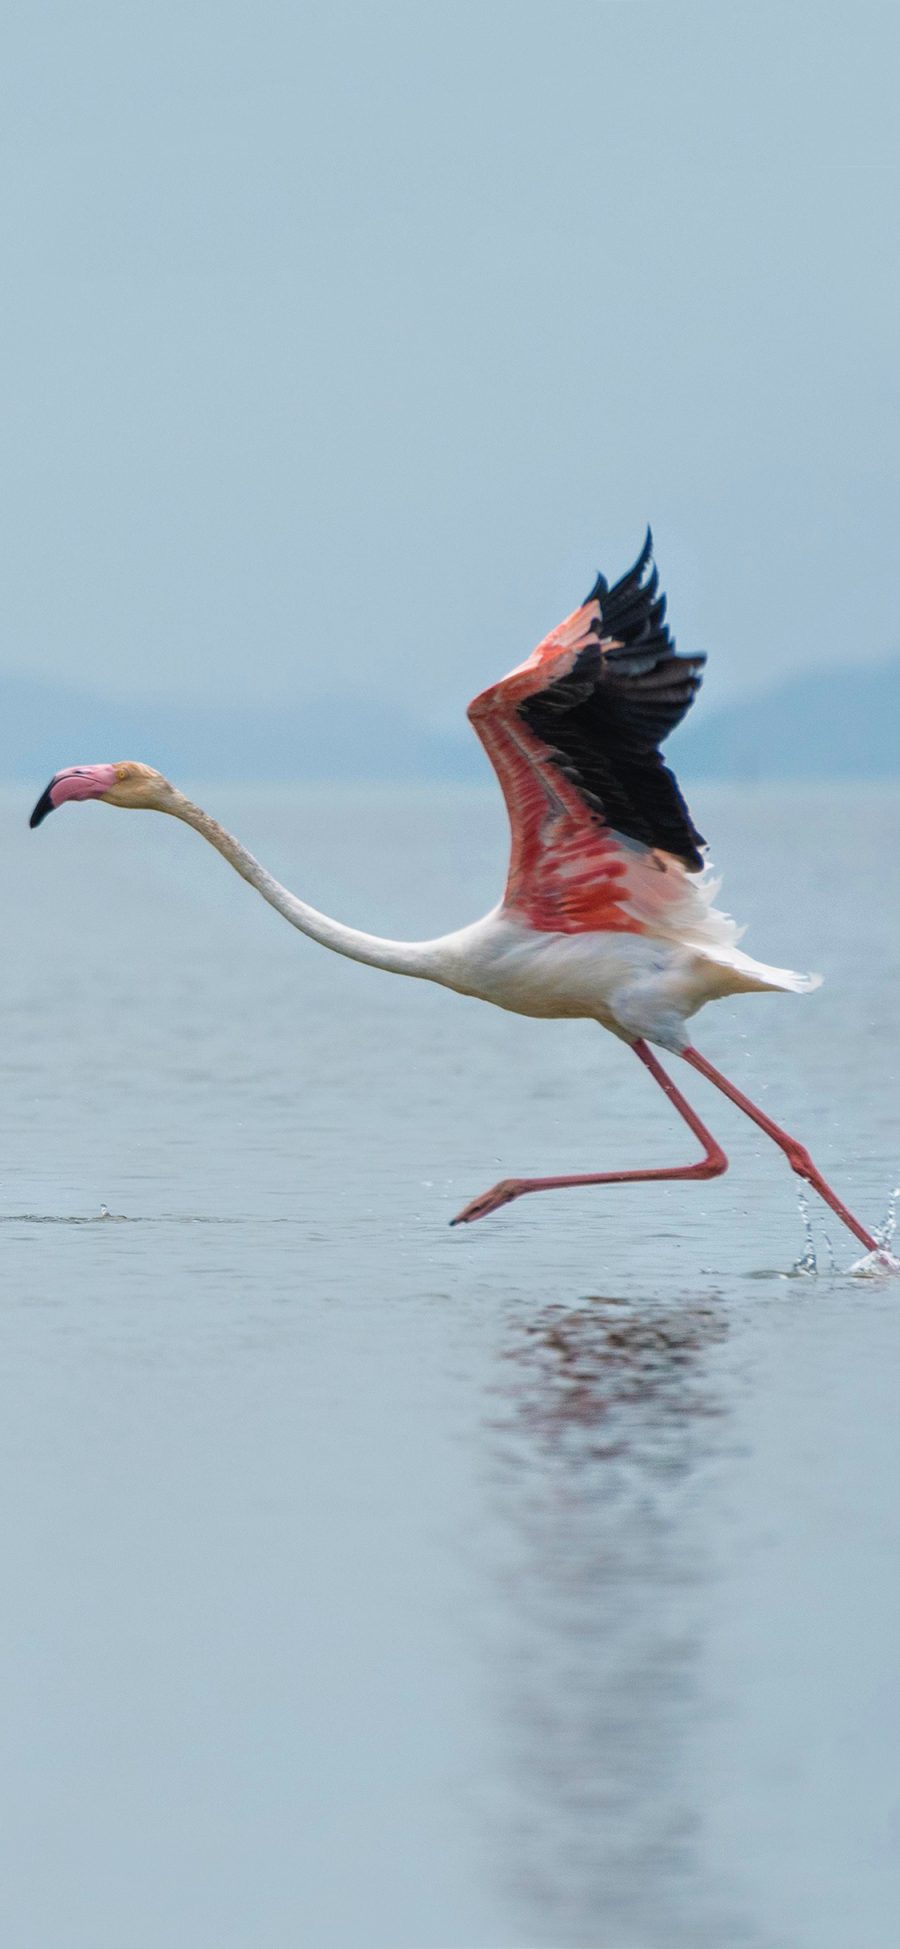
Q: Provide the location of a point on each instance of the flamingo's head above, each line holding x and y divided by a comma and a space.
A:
124, 784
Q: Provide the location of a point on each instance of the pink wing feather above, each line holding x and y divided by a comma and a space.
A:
601, 837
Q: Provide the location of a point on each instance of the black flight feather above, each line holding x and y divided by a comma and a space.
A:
604, 721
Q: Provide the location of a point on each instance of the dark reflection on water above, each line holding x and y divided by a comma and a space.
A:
609, 1421
603, 1369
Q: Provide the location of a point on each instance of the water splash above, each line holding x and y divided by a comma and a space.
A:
875, 1265
885, 1233
807, 1266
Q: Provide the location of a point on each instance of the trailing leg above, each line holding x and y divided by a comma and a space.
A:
797, 1155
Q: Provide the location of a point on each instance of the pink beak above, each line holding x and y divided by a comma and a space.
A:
79, 782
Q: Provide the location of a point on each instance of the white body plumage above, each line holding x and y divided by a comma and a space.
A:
634, 984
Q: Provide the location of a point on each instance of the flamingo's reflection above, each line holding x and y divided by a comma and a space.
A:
608, 1369
609, 1424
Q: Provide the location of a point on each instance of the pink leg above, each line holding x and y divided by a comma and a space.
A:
798, 1158
711, 1165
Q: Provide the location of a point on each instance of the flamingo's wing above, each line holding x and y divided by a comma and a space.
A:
573, 734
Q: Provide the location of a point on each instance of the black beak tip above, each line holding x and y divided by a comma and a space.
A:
44, 805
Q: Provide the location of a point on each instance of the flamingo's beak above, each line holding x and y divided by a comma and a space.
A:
77, 782
44, 805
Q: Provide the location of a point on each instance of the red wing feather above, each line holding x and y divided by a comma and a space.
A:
573, 734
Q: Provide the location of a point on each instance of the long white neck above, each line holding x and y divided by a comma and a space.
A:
398, 957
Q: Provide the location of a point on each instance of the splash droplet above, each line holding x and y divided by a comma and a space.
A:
806, 1267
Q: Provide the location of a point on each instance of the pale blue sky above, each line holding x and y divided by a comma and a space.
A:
341, 344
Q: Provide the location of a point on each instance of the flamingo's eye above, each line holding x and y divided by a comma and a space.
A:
121, 771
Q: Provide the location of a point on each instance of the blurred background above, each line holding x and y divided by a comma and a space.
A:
343, 344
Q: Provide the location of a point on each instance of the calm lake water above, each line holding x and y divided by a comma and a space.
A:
370, 1585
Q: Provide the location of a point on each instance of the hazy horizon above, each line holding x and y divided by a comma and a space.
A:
345, 347
811, 725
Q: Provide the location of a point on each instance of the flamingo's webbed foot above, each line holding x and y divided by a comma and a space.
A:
501, 1194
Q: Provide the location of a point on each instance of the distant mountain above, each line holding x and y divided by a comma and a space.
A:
828, 724
824, 725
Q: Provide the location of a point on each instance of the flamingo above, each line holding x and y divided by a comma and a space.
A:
608, 909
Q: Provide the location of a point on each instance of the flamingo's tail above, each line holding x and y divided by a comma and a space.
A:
739, 974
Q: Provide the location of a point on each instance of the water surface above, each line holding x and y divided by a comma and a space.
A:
379, 1586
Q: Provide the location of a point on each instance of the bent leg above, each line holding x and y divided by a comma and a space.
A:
710, 1165
797, 1156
